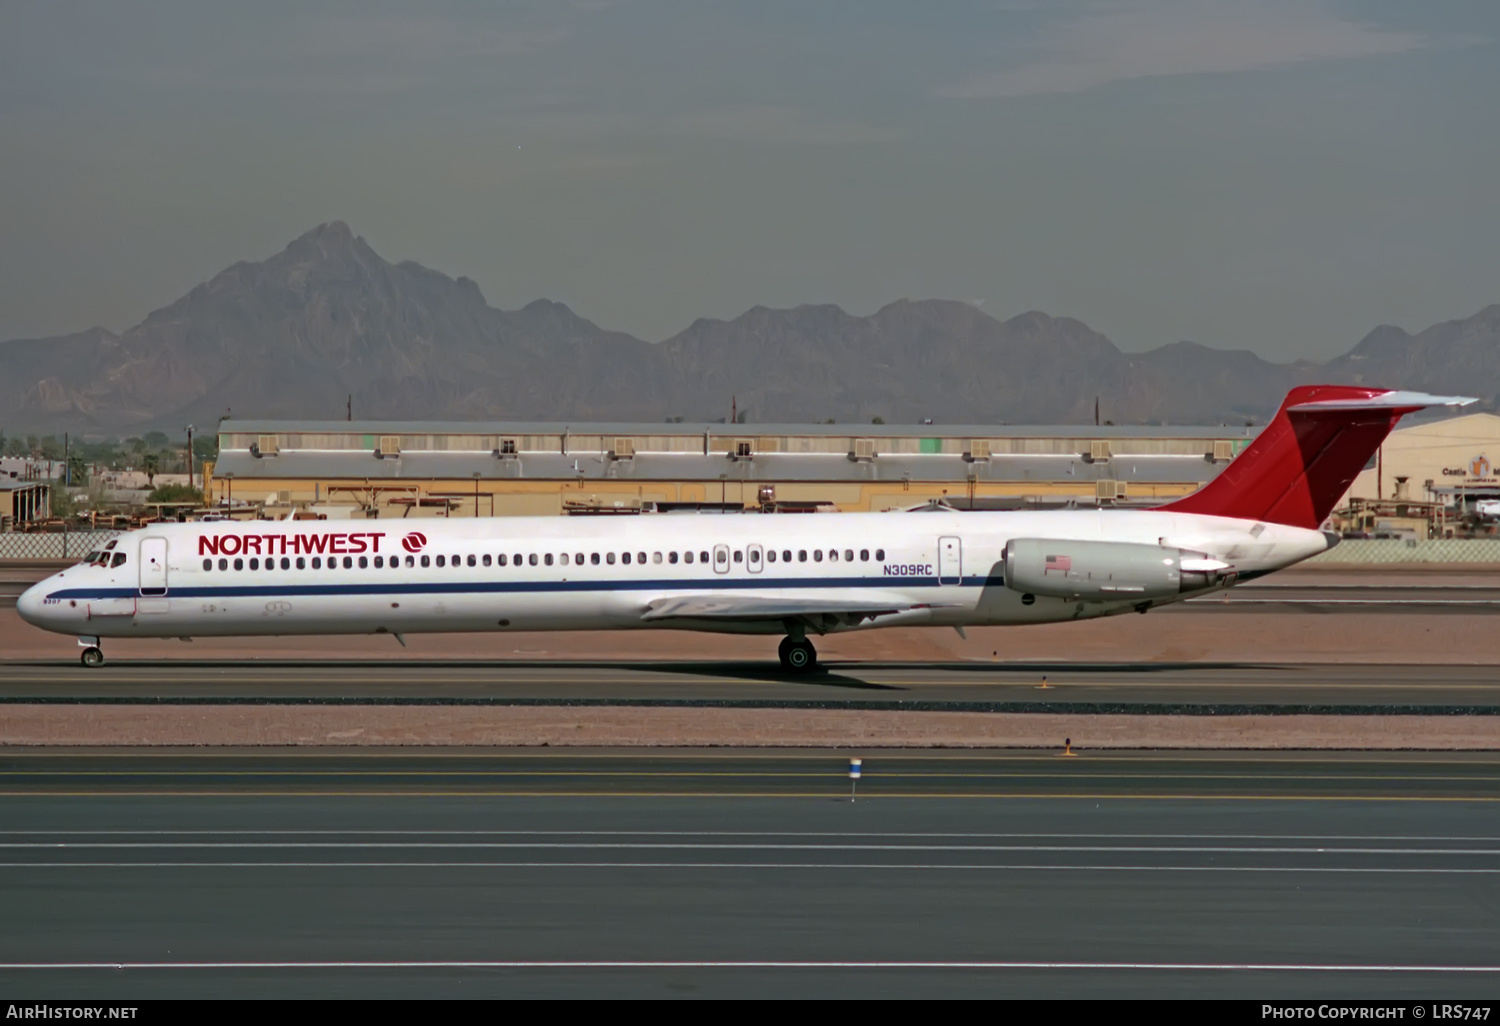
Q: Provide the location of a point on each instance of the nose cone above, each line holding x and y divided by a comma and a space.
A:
29, 605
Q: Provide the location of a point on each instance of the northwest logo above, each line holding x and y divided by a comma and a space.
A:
416, 541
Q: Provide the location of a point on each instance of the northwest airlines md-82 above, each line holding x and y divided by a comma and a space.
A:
790, 575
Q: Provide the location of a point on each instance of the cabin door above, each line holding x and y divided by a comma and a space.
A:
950, 561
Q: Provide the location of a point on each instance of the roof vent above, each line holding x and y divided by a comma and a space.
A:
624, 449
265, 445
864, 450
1223, 452
507, 449
1098, 451
1108, 489
744, 449
389, 447
979, 451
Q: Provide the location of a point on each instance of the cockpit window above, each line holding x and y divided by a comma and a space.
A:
119, 559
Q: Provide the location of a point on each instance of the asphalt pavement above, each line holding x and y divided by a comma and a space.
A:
1256, 875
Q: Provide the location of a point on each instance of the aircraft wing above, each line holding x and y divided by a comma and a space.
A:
718, 606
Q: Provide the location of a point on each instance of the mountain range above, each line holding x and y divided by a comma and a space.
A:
294, 335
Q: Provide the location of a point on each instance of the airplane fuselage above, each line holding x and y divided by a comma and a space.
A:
592, 573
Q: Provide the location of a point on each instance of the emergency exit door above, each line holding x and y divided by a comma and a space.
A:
950, 561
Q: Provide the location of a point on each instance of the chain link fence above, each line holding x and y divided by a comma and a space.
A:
64, 545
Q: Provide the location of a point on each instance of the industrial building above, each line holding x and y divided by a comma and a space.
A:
413, 469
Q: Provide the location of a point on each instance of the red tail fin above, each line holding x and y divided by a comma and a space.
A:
1307, 457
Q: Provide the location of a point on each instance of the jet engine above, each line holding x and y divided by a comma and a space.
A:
1096, 571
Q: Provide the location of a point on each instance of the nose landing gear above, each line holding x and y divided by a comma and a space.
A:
91, 656
798, 655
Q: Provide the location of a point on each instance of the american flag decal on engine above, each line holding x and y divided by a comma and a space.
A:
1062, 563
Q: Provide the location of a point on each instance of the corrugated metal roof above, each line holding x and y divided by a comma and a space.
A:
769, 468
638, 428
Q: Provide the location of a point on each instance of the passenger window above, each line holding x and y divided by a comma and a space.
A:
802, 555
879, 555
410, 561
286, 564
786, 555
594, 558
364, 563
500, 559
239, 564
833, 554
721, 556
817, 555
864, 555
671, 557
625, 558
518, 559
739, 557
223, 564
640, 557
379, 562
754, 556
254, 563
440, 561
348, 562
531, 559
270, 564
703, 557
609, 557
547, 559
578, 558
687, 557
317, 562
208, 564
770, 555
427, 560
656, 557
301, 563
562, 557
471, 561
848, 555
486, 559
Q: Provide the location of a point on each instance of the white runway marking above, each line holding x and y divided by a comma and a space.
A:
1273, 967
986, 867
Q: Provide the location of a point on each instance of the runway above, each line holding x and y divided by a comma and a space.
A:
975, 685
731, 874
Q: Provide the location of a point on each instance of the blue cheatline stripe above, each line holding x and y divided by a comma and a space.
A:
526, 587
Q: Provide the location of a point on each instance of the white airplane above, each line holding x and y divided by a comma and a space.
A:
790, 575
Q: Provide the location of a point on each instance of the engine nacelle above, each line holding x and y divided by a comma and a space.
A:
1097, 571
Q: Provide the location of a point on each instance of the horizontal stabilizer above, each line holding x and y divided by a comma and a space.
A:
1385, 401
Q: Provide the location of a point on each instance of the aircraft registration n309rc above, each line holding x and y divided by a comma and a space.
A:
789, 575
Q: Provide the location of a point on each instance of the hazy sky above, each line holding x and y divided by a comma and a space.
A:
1279, 175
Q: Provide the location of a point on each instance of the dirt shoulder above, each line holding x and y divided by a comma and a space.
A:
613, 726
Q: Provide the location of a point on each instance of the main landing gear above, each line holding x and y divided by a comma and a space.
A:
91, 656
798, 655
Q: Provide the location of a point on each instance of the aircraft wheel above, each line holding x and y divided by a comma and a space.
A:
92, 657
798, 656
